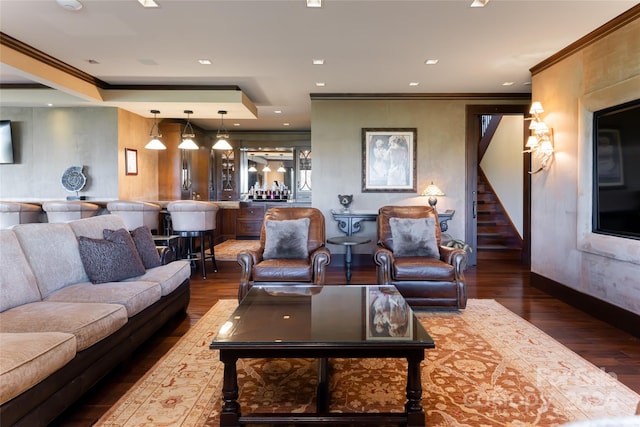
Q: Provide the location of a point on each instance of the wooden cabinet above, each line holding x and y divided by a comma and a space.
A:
249, 220
226, 175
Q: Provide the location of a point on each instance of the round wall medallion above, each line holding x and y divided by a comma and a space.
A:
73, 179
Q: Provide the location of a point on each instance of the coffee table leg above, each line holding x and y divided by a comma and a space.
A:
413, 407
230, 407
322, 396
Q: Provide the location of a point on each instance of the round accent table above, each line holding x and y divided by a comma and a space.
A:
348, 242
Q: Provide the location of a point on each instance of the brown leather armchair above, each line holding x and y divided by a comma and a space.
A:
282, 271
422, 280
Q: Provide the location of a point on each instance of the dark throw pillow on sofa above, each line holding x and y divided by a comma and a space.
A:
286, 238
110, 260
414, 237
143, 239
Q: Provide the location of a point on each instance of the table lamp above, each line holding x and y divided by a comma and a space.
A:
432, 191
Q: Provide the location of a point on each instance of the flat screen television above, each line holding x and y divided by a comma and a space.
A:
616, 187
6, 142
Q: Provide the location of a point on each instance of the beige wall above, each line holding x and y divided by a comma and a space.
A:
336, 141
133, 132
564, 249
49, 140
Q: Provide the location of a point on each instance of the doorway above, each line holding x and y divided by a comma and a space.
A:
474, 114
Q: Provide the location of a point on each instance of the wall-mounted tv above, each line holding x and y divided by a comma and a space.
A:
6, 142
616, 154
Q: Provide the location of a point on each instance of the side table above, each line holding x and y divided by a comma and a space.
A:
347, 242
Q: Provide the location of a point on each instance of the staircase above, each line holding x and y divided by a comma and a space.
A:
497, 237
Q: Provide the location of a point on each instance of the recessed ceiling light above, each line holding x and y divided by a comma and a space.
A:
148, 3
205, 61
318, 62
236, 124
49, 105
507, 84
320, 84
431, 61
278, 111
70, 5
285, 124
479, 3
314, 3
413, 83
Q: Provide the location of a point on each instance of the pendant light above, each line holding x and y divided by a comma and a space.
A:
155, 143
281, 169
187, 135
222, 136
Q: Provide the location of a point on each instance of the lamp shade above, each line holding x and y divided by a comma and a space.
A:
222, 144
155, 144
188, 144
432, 190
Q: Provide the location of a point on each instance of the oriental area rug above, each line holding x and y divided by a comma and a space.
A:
489, 368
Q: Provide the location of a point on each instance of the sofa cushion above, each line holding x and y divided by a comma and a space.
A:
17, 281
423, 269
111, 259
414, 237
168, 276
286, 238
89, 322
52, 252
280, 270
28, 358
146, 246
135, 295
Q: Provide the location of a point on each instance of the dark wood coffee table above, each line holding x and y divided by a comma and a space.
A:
322, 322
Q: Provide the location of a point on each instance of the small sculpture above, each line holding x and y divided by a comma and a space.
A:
345, 201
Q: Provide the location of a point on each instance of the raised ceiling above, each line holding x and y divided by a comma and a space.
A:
263, 50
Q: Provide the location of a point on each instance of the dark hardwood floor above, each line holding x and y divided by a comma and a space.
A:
609, 348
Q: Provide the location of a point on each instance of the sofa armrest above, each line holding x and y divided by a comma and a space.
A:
320, 259
167, 254
384, 259
456, 257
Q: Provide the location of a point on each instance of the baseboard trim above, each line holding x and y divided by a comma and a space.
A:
602, 310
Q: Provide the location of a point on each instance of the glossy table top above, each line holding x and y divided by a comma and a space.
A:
303, 316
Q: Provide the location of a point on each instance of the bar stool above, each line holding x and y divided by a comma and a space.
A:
191, 219
136, 214
12, 213
63, 211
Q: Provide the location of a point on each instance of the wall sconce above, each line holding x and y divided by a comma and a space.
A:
432, 191
222, 136
187, 135
540, 143
155, 143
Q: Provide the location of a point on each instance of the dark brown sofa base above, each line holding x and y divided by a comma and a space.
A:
42, 403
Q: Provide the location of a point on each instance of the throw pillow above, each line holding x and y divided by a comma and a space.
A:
414, 237
111, 259
146, 246
286, 238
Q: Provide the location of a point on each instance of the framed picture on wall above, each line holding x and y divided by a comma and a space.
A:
389, 160
131, 161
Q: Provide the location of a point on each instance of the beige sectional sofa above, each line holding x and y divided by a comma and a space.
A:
59, 332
